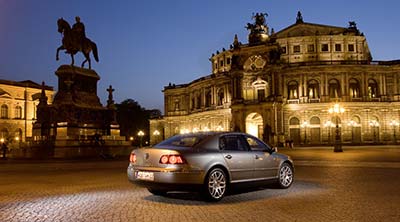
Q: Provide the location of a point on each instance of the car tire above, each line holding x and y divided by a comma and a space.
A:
157, 192
215, 185
285, 176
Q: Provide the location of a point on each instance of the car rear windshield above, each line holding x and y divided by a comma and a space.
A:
182, 141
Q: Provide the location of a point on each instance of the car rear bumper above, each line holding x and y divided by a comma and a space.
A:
166, 178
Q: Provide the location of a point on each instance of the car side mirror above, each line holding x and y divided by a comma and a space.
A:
274, 149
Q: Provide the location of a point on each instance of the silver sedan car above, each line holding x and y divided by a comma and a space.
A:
212, 163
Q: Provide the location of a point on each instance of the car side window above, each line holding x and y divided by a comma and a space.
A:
256, 145
231, 143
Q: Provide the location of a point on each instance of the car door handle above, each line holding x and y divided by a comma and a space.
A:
228, 157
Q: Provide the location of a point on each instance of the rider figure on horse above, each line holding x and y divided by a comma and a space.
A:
79, 33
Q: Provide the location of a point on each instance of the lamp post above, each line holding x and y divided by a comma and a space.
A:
140, 134
374, 124
156, 133
394, 123
336, 109
304, 125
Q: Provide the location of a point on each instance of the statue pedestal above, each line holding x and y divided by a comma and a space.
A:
76, 124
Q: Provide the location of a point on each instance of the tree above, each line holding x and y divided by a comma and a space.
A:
132, 118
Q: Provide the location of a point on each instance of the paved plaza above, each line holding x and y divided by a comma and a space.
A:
359, 184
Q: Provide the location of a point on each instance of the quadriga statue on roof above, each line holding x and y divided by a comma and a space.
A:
74, 40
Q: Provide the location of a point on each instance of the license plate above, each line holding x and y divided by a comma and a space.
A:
140, 175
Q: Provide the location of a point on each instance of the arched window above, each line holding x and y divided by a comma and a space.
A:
315, 121
4, 133
334, 89
294, 121
4, 111
293, 87
220, 97
198, 101
354, 87
18, 112
372, 88
18, 134
208, 98
313, 89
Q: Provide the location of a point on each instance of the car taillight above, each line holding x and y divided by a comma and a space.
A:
132, 158
171, 159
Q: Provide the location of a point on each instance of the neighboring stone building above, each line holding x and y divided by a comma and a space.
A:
18, 101
283, 86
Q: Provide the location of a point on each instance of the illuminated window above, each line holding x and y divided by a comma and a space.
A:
313, 89
293, 87
354, 87
334, 88
351, 47
338, 47
4, 111
18, 112
284, 51
324, 48
372, 88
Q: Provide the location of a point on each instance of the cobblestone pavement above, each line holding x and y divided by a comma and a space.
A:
99, 191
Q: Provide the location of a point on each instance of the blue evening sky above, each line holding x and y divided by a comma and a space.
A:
144, 45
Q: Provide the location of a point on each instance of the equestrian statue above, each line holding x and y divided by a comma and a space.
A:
74, 40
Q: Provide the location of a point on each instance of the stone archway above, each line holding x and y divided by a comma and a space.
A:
254, 125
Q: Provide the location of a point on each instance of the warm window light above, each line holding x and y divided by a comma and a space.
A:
336, 109
352, 123
220, 128
304, 124
374, 123
131, 138
329, 124
184, 131
195, 130
2, 140
394, 123
206, 129
16, 138
156, 133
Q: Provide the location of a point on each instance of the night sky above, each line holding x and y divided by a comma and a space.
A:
144, 45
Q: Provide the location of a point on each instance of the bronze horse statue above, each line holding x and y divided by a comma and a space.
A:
73, 44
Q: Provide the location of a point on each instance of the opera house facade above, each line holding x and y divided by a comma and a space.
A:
307, 83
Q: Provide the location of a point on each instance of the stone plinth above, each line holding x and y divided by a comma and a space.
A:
77, 124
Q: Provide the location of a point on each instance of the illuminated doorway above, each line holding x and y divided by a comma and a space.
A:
254, 125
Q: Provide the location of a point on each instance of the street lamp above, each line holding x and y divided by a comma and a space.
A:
156, 133
140, 134
328, 124
304, 125
336, 109
374, 124
394, 123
